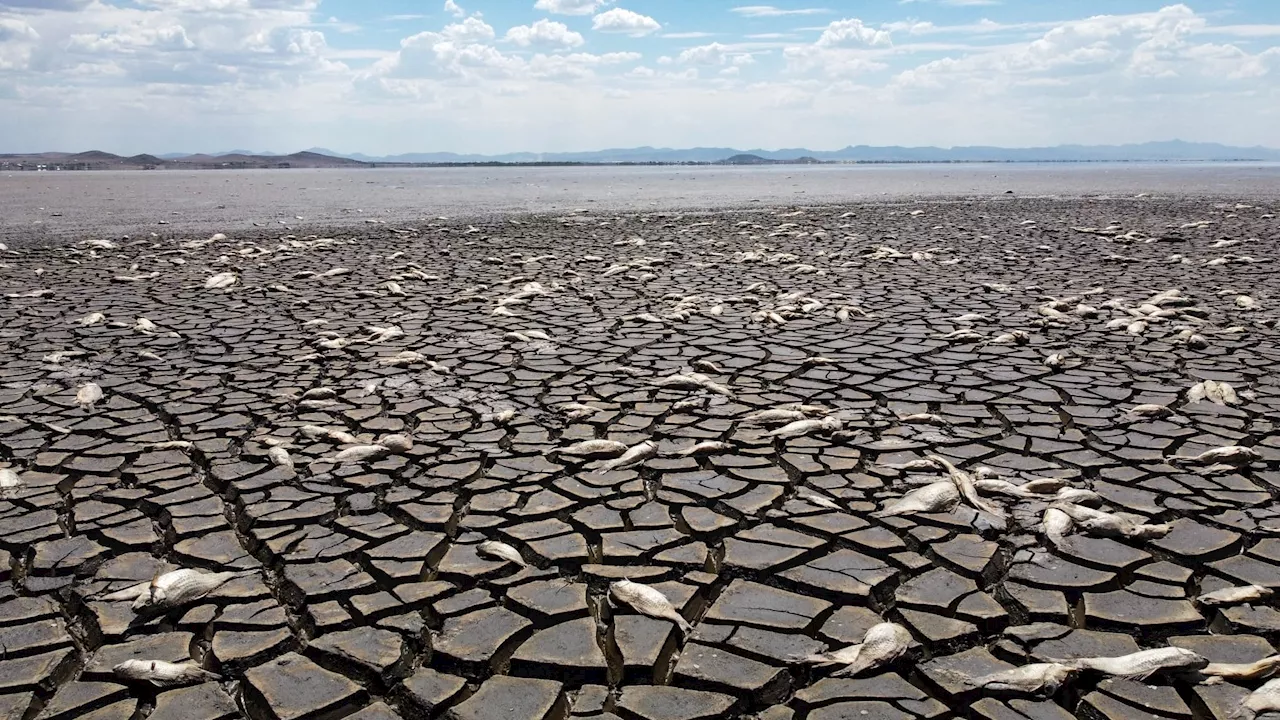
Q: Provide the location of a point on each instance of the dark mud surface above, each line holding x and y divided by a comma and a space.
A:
363, 591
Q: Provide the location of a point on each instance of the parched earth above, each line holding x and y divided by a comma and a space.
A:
362, 590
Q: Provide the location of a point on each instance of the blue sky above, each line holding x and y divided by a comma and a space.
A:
388, 76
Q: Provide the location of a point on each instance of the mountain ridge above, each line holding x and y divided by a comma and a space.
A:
1167, 150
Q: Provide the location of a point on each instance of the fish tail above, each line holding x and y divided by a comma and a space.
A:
683, 624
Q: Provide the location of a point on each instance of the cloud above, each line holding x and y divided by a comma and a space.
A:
771, 11
852, 32
714, 54
471, 30
570, 7
955, 3
65, 5
16, 30
544, 32
687, 35
168, 38
618, 20
454, 9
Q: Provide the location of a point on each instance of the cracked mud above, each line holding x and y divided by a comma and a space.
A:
1025, 432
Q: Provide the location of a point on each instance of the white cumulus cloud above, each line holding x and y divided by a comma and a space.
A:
454, 9
851, 32
619, 20
544, 32
570, 7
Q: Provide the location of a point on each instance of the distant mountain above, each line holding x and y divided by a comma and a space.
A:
99, 160
1172, 150
1152, 151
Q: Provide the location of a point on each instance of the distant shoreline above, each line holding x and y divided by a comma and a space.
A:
99, 166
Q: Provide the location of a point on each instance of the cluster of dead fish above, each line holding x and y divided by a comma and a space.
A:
1047, 677
165, 592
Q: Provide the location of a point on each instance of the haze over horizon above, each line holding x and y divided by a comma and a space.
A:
546, 76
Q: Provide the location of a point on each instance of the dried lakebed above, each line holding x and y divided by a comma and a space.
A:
1007, 435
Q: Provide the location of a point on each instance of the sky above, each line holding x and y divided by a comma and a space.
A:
494, 76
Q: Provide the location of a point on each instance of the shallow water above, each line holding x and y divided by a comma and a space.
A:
112, 203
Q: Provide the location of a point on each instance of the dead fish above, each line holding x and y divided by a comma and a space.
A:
1266, 667
1144, 663
704, 448
1229, 454
1263, 700
1039, 488
1055, 361
88, 395
922, 419
706, 366
502, 551
180, 587
594, 449
648, 601
360, 453
932, 498
1219, 393
1109, 525
971, 318
93, 318
964, 482
1037, 678
773, 417
1244, 302
1235, 595
221, 280
801, 428
577, 411
1017, 337
636, 455
499, 417
170, 445
1056, 525
404, 357
398, 443
58, 356
689, 403
816, 500
393, 288
1078, 496
280, 457
687, 382
918, 464
341, 437
883, 643
148, 355
1150, 410
10, 481
162, 673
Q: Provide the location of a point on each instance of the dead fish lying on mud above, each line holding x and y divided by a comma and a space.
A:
173, 589
163, 674
501, 551
647, 601
882, 644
